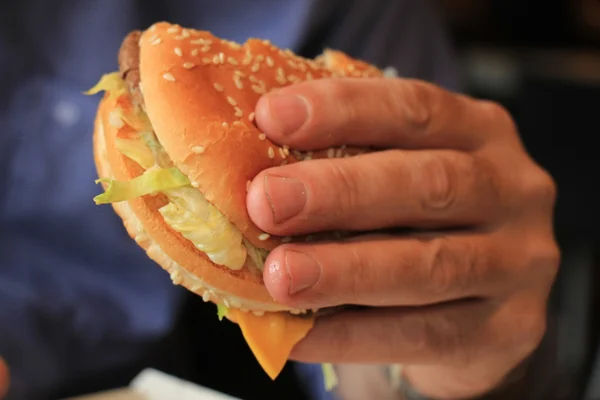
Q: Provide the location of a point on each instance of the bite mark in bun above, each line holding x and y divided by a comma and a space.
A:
175, 145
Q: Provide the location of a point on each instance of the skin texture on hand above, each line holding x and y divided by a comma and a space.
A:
461, 299
4, 378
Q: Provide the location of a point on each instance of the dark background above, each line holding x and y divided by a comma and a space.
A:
539, 58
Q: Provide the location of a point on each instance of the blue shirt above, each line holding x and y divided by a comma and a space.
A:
76, 293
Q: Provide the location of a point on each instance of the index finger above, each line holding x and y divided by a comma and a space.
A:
378, 112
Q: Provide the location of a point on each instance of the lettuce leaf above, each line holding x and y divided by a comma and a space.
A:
221, 311
190, 214
136, 150
330, 377
111, 83
151, 181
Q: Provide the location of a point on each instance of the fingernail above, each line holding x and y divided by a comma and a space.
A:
303, 270
288, 112
286, 196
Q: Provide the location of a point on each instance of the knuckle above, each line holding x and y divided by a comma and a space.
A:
543, 260
347, 191
538, 186
440, 192
499, 116
415, 101
335, 94
439, 274
527, 332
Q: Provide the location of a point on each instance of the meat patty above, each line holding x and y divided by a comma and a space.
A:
129, 66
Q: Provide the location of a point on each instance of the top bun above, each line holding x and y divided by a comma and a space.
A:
200, 92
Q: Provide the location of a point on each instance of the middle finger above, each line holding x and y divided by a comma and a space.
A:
419, 189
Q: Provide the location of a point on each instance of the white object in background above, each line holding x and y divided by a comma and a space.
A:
156, 385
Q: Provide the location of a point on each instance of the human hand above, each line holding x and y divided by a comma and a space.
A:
4, 379
462, 299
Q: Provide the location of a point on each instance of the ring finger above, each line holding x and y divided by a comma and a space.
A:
385, 271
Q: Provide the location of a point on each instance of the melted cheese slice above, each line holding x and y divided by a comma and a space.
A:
272, 336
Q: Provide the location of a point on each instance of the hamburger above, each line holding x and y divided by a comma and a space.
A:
176, 146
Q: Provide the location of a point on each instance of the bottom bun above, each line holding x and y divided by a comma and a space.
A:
186, 265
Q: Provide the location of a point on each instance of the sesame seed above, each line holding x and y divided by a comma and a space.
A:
255, 67
338, 153
188, 65
156, 41
205, 49
178, 51
262, 136
237, 123
225, 125
247, 59
218, 87
216, 59
293, 78
153, 28
231, 60
281, 80
238, 112
231, 101
263, 236
153, 38
253, 79
206, 296
251, 116
258, 89
222, 58
179, 37
169, 77
198, 149
172, 29
206, 60
270, 61
271, 153
238, 82
185, 33
195, 184
240, 73
176, 278
286, 151
194, 52
226, 302
281, 153
197, 41
330, 153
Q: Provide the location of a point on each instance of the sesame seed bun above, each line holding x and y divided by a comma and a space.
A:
186, 264
199, 93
